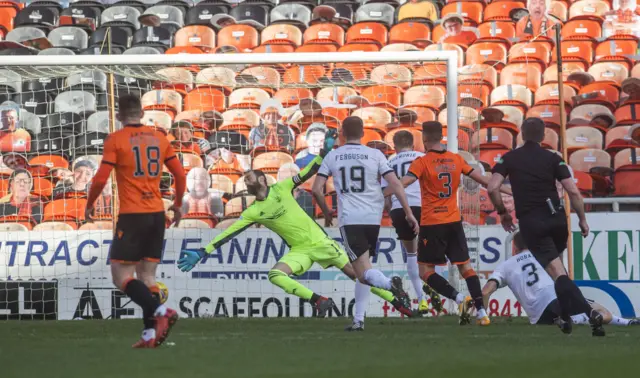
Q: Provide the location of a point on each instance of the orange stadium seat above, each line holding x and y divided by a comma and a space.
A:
281, 34
237, 205
303, 74
581, 30
268, 78
586, 159
415, 33
470, 10
387, 96
374, 118
500, 31
205, 99
617, 138
70, 211
391, 74
529, 75
221, 184
530, 52
479, 92
495, 138
610, 72
368, 32
324, 33
270, 162
619, 48
448, 47
479, 73
241, 36
513, 95
627, 172
550, 114
580, 51
239, 119
628, 114
292, 96
548, 94
165, 100
499, 10
589, 10
581, 137
600, 93
492, 156
425, 96
490, 53
199, 36
317, 48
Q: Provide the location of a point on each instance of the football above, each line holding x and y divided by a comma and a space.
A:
164, 292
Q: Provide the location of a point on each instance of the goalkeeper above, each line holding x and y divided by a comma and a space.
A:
276, 208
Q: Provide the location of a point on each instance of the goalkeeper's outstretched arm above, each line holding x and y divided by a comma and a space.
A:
308, 172
228, 234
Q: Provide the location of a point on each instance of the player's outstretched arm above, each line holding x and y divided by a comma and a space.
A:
321, 179
312, 168
190, 257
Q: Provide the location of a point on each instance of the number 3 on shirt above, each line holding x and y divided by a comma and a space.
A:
153, 161
445, 178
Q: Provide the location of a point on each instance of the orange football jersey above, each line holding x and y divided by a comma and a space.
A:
138, 153
439, 175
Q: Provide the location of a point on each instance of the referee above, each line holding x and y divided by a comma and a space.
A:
533, 171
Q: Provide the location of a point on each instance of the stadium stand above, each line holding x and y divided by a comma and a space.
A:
216, 119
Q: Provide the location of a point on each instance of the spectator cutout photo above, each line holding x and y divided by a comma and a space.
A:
314, 138
537, 22
198, 199
304, 198
184, 142
83, 171
271, 133
13, 138
456, 32
19, 200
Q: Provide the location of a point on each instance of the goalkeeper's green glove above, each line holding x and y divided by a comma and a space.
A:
189, 259
330, 138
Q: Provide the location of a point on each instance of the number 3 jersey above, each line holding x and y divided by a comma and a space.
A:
400, 163
138, 154
439, 175
529, 282
356, 171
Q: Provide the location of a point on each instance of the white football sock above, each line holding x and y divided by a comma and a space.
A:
160, 311
414, 275
619, 321
459, 298
362, 301
148, 334
376, 278
481, 313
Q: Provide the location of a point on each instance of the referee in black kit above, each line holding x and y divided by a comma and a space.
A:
533, 171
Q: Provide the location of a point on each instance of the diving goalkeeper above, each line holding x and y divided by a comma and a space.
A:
276, 208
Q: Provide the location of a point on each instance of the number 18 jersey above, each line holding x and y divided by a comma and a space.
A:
356, 171
138, 153
400, 163
439, 175
529, 282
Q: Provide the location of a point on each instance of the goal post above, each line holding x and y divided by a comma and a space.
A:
64, 106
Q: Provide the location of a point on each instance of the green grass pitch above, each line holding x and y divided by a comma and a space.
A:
310, 348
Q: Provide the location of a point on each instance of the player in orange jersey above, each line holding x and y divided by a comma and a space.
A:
441, 232
138, 153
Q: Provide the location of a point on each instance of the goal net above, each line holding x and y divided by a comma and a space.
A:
224, 114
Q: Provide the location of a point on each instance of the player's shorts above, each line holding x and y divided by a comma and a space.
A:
399, 222
439, 242
553, 311
360, 238
544, 234
326, 253
138, 237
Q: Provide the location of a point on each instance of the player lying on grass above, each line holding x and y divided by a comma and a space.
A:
277, 209
137, 153
535, 291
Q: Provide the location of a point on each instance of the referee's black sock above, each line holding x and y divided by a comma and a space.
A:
141, 295
565, 294
440, 285
579, 302
473, 284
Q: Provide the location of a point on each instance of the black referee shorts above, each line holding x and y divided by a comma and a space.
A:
138, 237
399, 222
544, 234
439, 242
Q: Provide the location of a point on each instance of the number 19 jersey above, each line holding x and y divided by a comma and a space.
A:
530, 283
439, 175
138, 153
400, 164
356, 171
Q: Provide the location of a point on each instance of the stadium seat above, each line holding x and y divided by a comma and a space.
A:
69, 211
169, 15
489, 53
257, 15
599, 93
44, 18
97, 225
292, 14
120, 14
579, 51
589, 10
491, 156
475, 94
71, 37
528, 75
617, 138
530, 52
609, 72
267, 78
369, 33
281, 34
49, 161
270, 162
627, 172
464, 141
595, 115
221, 184
205, 99
581, 137
499, 10
247, 98
550, 114
239, 119
581, 30
157, 118
237, 205
587, 159
391, 74
241, 36
307, 73
616, 49
628, 114
42, 187
199, 36
374, 118
13, 227
449, 47
54, 226
497, 31
495, 138
470, 10
480, 74
512, 95
387, 96
415, 33
467, 117
550, 141
219, 78
202, 13
548, 94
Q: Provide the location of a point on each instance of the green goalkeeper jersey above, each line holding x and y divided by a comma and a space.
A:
280, 213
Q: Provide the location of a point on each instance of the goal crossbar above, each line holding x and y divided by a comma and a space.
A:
450, 58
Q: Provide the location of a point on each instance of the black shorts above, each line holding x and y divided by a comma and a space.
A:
545, 235
138, 237
440, 242
553, 311
399, 222
360, 238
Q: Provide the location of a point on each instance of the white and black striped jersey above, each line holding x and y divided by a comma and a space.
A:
356, 171
400, 164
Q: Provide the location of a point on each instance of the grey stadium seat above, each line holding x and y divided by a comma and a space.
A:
70, 37
76, 102
99, 123
167, 14
56, 51
25, 33
142, 50
375, 12
30, 122
291, 13
121, 13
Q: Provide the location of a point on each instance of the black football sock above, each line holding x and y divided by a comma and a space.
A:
579, 302
141, 295
441, 286
564, 294
473, 284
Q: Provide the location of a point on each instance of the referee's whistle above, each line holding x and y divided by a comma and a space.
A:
551, 207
